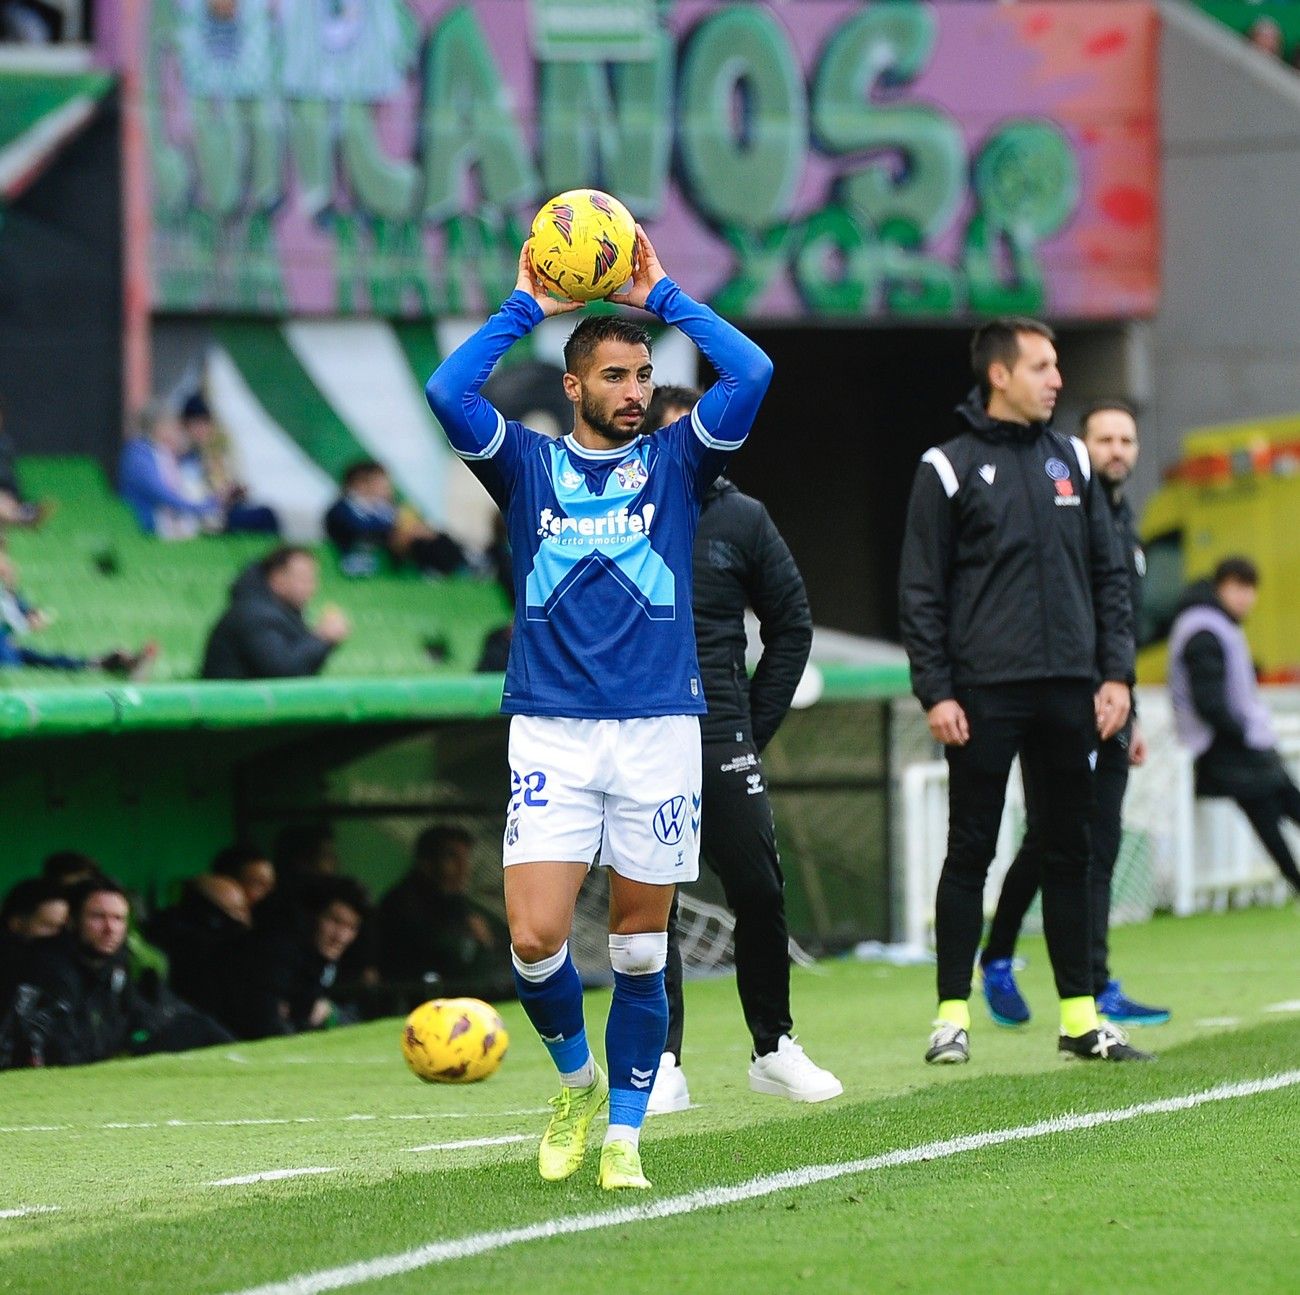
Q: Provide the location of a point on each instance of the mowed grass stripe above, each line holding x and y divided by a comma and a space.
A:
465, 1247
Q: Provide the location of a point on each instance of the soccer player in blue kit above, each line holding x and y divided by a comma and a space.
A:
602, 683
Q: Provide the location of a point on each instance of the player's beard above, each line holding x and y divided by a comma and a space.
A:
607, 428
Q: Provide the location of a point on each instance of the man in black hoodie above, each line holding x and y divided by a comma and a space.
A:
1013, 599
740, 560
263, 634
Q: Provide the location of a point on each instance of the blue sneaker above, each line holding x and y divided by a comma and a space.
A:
1007, 1005
1117, 1006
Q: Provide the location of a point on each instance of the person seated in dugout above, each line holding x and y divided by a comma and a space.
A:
367, 525
203, 935
432, 933
288, 981
75, 1001
251, 867
34, 909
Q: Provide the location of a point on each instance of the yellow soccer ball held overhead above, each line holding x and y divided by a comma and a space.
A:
454, 1040
582, 244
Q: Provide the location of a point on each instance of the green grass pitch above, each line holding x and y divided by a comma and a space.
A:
1199, 1199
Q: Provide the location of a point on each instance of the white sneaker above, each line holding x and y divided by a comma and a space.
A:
788, 1072
669, 1092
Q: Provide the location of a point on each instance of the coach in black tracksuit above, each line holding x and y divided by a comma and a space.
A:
1013, 595
1109, 432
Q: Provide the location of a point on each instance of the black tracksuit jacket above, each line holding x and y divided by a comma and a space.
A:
1011, 567
741, 560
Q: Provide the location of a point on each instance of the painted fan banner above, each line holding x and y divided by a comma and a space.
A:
791, 161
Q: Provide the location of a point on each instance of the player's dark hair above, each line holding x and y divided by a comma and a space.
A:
80, 894
1112, 405
435, 843
280, 557
998, 342
1238, 568
27, 896
595, 329
666, 398
360, 470
230, 860
325, 891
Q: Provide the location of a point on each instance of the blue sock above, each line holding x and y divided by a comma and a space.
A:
634, 1041
551, 995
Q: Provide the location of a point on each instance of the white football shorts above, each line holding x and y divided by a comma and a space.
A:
629, 788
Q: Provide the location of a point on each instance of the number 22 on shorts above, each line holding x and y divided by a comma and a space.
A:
531, 784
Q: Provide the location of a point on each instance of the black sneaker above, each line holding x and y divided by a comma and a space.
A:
1106, 1043
949, 1045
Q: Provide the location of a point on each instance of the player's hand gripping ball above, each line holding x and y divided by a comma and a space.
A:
454, 1040
583, 244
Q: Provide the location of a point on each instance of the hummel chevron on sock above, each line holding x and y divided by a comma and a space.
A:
551, 995
637, 1029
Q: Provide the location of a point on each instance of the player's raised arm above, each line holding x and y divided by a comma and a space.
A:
474, 427
726, 411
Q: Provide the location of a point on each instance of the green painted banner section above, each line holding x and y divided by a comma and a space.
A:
70, 711
287, 393
27, 97
1242, 15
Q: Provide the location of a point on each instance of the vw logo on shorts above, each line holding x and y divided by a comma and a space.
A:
670, 820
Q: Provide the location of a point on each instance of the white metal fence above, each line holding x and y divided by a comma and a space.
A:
1178, 853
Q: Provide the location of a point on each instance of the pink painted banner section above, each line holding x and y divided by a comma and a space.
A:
1029, 96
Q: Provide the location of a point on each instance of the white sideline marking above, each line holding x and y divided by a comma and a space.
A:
1291, 1005
1211, 1022
246, 1123
476, 1142
328, 1279
22, 1211
270, 1176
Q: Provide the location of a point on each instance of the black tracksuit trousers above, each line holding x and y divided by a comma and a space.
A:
738, 841
1051, 724
1025, 874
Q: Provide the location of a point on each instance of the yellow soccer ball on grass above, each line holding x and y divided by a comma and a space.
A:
454, 1040
583, 244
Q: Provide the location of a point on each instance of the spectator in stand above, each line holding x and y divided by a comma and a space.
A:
305, 855
76, 1003
1266, 35
250, 867
153, 483
1218, 711
263, 633
203, 936
15, 509
18, 616
366, 525
288, 981
206, 463
34, 909
429, 924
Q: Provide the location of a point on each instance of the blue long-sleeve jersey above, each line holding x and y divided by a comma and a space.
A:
602, 540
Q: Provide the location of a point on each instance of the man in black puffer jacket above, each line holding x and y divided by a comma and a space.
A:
263, 633
740, 561
1013, 600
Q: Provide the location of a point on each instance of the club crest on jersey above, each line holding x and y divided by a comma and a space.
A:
1057, 470
631, 476
570, 479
